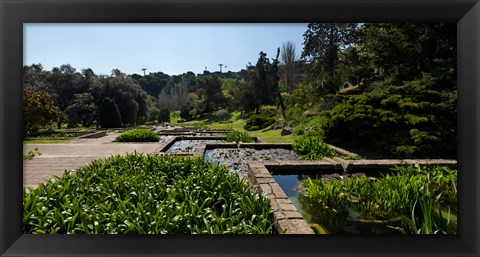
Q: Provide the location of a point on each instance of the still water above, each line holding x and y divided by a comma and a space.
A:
326, 221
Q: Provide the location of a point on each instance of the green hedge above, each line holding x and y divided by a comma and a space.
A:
146, 194
138, 135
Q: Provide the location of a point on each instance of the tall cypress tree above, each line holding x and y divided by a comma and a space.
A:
109, 115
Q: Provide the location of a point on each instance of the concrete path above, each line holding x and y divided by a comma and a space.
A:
56, 158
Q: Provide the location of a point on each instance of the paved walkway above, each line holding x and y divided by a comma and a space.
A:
56, 158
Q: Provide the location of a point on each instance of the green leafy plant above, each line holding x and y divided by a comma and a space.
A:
31, 154
138, 135
412, 194
237, 136
146, 194
312, 148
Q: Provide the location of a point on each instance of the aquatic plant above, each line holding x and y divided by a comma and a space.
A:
237, 136
312, 148
410, 191
146, 194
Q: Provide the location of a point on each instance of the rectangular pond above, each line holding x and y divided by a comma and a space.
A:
236, 159
186, 146
347, 217
328, 221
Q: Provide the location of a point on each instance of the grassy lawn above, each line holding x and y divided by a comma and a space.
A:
45, 141
235, 122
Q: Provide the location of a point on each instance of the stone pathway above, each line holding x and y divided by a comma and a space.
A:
56, 158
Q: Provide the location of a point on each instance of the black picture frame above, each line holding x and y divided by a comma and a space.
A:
466, 13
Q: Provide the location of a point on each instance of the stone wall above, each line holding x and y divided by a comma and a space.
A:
94, 135
286, 217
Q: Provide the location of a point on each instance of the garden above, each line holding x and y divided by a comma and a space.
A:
183, 191
356, 135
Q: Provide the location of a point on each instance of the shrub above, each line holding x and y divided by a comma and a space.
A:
164, 116
269, 111
185, 114
313, 148
146, 194
411, 120
32, 153
256, 122
109, 115
237, 136
221, 114
149, 123
138, 135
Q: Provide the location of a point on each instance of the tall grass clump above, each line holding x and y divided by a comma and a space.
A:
413, 194
237, 136
146, 194
138, 135
312, 148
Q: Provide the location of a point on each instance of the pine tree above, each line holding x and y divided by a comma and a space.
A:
109, 115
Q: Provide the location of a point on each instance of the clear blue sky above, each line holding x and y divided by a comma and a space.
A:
170, 48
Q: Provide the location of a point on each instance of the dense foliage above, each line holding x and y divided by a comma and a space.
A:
389, 88
312, 148
39, 109
256, 122
138, 135
109, 115
138, 194
391, 196
164, 116
82, 110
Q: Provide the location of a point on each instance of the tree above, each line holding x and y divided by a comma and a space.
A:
82, 110
409, 105
129, 97
174, 96
39, 109
211, 89
288, 68
109, 115
263, 82
322, 44
164, 116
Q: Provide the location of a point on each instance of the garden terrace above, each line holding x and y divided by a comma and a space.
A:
287, 218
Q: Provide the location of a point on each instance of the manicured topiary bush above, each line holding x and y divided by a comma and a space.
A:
256, 122
312, 148
138, 135
146, 194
